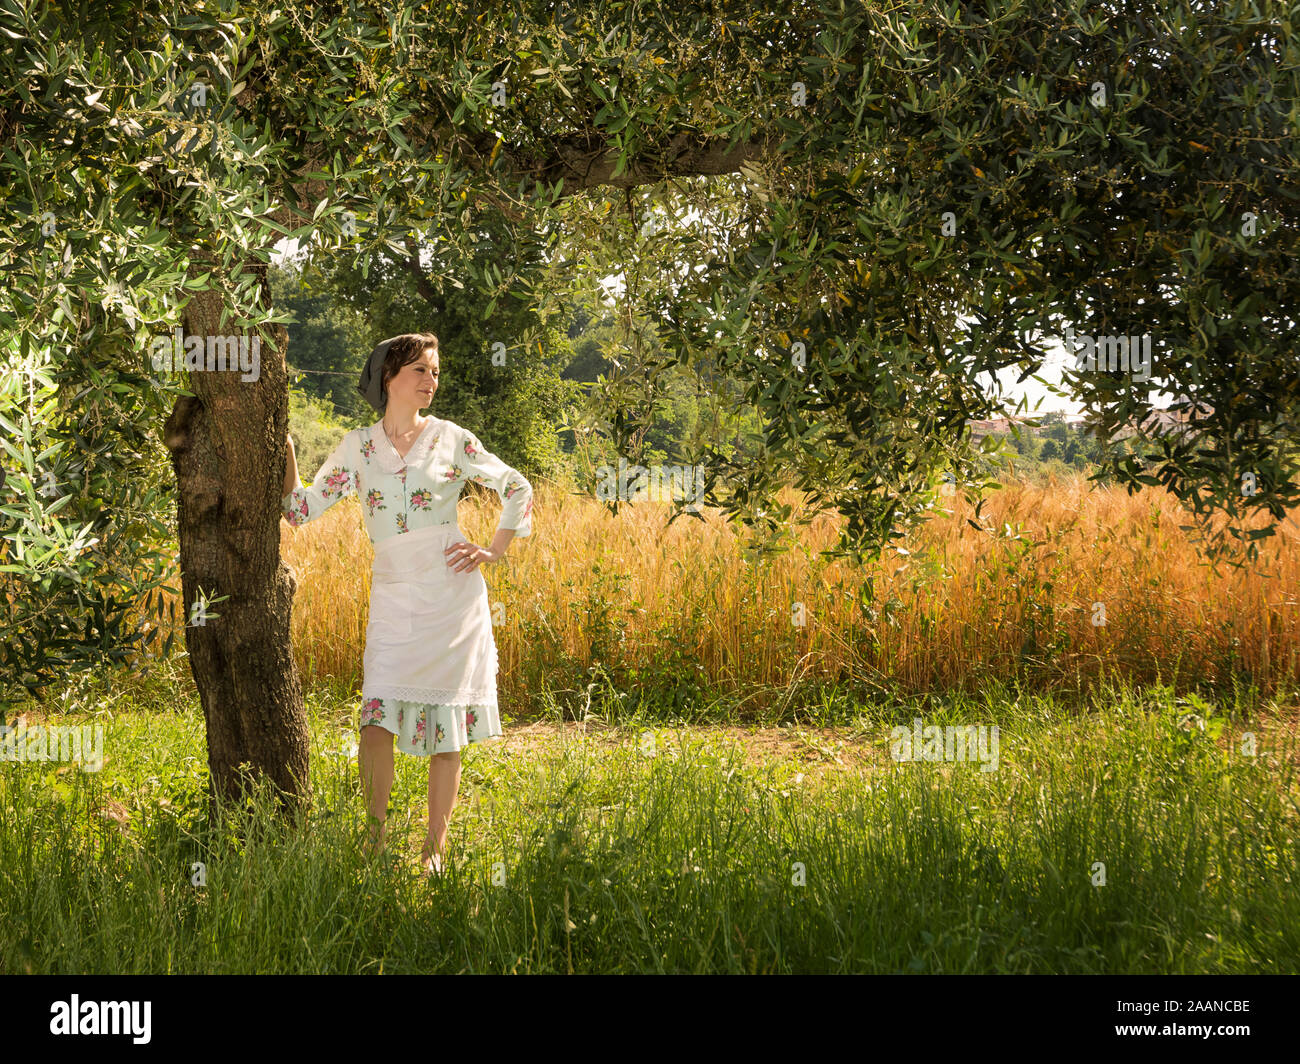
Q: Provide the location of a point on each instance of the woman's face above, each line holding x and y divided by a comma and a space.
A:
413, 385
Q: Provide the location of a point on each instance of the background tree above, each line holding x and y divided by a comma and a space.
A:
326, 341
508, 391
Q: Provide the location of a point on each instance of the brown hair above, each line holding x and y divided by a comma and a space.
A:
404, 350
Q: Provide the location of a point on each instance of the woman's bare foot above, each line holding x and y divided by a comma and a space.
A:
430, 861
376, 841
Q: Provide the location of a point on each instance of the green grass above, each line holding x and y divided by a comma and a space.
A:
584, 856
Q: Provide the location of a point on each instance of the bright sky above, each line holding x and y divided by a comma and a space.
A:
1035, 393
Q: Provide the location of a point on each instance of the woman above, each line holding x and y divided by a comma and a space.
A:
431, 659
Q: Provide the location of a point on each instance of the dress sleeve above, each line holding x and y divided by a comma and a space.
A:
483, 467
336, 478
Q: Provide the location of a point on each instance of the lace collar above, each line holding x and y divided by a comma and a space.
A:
385, 454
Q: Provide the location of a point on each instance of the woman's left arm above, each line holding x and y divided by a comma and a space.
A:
500, 542
483, 467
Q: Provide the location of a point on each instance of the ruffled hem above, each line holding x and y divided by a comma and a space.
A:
424, 729
434, 696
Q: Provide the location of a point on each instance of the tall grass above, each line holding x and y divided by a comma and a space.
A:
678, 855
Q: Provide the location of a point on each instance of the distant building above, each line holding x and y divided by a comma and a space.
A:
998, 426
1167, 422
1162, 422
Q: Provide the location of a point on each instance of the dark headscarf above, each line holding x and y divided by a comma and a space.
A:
371, 382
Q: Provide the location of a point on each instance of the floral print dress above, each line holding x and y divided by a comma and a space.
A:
431, 662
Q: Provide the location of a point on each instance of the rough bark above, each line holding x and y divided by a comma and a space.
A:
228, 449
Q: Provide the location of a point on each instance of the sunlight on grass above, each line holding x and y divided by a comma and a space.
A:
665, 851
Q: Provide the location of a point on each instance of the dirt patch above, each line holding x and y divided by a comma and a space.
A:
814, 750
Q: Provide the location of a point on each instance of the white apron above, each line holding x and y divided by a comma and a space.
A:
429, 641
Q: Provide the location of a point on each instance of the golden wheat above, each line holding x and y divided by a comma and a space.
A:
961, 606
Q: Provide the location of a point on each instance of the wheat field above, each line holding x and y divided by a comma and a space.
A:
650, 603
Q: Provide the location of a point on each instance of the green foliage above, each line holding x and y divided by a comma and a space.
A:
327, 346
86, 519
1067, 209
506, 389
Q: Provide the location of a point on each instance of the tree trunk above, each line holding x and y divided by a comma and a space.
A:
228, 449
